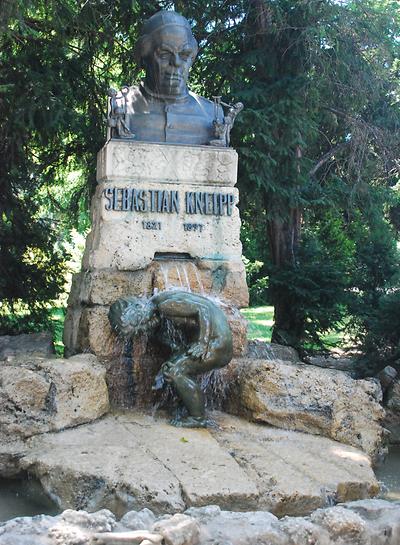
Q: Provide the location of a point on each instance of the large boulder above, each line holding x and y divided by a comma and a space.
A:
132, 461
40, 395
363, 523
298, 396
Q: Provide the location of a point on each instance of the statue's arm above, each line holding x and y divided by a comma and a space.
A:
184, 308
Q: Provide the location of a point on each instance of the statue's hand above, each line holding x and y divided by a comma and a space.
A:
198, 351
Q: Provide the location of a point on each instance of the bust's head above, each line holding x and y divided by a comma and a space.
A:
166, 50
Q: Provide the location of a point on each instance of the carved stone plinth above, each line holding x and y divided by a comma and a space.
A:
163, 217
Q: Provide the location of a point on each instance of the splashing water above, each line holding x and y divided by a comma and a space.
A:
198, 277
182, 272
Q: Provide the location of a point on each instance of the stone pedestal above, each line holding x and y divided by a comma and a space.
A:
163, 216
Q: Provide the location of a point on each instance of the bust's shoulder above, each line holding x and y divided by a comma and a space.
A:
201, 100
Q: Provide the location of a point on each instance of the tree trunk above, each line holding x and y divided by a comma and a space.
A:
283, 237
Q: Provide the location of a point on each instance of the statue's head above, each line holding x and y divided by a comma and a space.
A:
130, 316
166, 50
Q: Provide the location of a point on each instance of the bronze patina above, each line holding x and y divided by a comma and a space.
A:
197, 336
161, 108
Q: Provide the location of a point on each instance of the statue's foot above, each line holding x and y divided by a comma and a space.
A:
191, 422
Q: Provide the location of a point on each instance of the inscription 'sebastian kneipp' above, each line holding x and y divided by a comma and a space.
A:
127, 199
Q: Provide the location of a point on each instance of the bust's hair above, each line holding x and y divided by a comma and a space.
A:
161, 19
128, 313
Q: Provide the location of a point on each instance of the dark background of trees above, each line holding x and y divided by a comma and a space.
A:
318, 144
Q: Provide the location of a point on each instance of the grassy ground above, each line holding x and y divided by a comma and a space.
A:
260, 322
57, 317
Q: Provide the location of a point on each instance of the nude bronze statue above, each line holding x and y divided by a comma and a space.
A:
203, 343
161, 108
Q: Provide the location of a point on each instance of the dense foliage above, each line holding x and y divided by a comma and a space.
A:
318, 143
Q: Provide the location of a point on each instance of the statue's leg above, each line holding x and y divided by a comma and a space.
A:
178, 371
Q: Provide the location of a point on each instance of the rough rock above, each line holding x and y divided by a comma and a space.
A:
387, 377
319, 401
69, 528
27, 344
235, 528
178, 530
295, 472
271, 351
368, 522
392, 417
333, 361
39, 395
133, 461
138, 520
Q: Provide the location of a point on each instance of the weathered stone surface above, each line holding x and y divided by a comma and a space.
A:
392, 417
95, 334
178, 530
296, 473
146, 162
117, 236
387, 377
225, 280
39, 395
27, 344
333, 361
271, 351
103, 287
218, 526
355, 523
133, 461
69, 528
306, 398
137, 520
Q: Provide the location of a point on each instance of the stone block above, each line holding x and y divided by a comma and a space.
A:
95, 334
40, 395
178, 530
129, 240
146, 162
320, 401
225, 280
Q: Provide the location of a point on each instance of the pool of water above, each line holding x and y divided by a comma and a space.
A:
389, 474
23, 498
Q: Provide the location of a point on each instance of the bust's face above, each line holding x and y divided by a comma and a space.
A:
168, 65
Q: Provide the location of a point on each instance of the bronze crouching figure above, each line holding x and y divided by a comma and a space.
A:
196, 332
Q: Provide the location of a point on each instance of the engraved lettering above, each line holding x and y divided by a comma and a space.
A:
126, 193
231, 202
175, 201
190, 203
142, 201
108, 195
199, 198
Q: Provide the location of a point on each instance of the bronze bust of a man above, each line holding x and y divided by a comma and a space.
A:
161, 108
